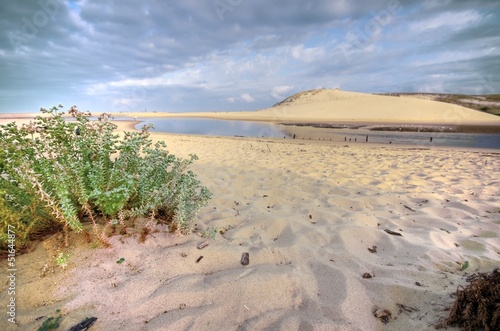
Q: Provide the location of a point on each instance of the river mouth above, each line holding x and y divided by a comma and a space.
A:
414, 135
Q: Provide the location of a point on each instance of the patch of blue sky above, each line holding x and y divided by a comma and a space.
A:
74, 6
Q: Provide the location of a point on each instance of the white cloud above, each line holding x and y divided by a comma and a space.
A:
452, 20
247, 97
122, 102
308, 54
179, 56
183, 78
279, 92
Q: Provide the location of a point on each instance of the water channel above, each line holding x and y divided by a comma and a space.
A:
215, 127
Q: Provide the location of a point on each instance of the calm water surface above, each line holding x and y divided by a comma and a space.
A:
214, 127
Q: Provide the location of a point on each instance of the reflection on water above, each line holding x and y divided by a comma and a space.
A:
438, 139
213, 127
474, 140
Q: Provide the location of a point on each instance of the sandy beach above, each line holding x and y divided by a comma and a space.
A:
313, 217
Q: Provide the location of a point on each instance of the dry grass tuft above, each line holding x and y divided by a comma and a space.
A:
478, 304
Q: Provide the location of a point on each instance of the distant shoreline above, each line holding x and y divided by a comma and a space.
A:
337, 109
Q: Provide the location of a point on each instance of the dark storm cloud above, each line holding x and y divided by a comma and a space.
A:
238, 54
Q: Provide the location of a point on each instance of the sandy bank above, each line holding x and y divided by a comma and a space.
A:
312, 218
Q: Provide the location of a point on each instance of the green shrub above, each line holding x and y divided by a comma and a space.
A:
55, 171
21, 209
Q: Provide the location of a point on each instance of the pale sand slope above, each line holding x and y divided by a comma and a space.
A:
328, 105
307, 214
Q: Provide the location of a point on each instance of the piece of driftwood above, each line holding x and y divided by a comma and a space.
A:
406, 309
84, 325
409, 208
393, 232
202, 244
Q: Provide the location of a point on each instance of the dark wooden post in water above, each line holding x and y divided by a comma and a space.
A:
431, 139
366, 138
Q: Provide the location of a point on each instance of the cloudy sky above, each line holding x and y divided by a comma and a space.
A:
205, 55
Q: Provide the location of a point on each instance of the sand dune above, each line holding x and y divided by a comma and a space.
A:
337, 106
359, 107
307, 213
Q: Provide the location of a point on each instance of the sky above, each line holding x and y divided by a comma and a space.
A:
232, 55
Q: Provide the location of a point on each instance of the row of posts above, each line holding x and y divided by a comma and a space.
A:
350, 139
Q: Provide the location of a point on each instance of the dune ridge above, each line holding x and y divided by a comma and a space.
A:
343, 106
337, 106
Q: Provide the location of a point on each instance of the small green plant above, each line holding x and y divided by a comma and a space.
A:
210, 233
120, 260
54, 172
464, 265
62, 260
50, 323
